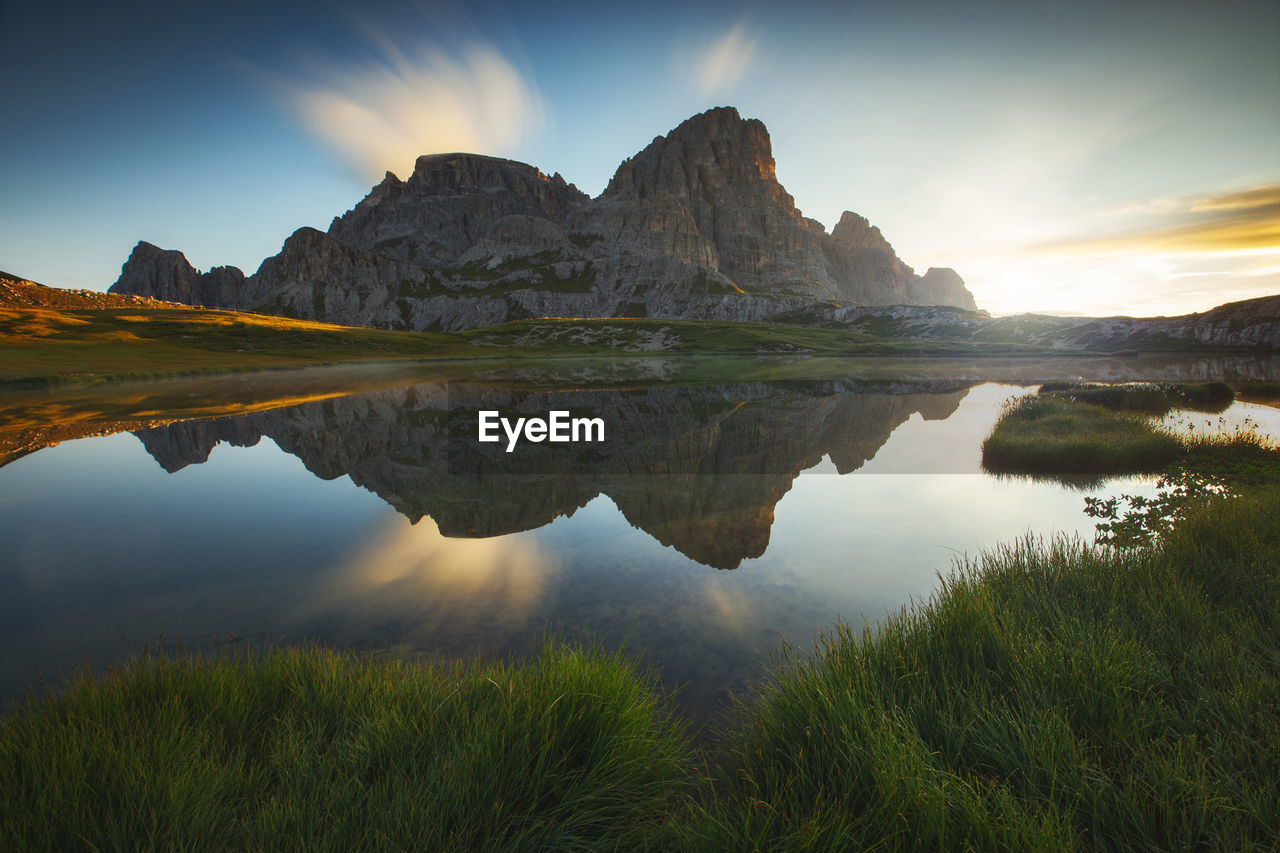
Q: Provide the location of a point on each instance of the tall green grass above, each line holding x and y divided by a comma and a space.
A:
314, 750
1050, 435
1051, 697
1150, 398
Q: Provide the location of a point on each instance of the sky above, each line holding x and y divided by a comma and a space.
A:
1064, 157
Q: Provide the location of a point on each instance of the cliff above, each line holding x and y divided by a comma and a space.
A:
696, 225
166, 274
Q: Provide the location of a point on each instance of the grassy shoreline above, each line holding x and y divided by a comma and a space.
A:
1052, 695
1071, 430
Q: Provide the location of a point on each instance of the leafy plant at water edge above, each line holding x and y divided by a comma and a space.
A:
1130, 521
1215, 467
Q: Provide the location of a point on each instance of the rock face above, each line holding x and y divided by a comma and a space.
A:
166, 275
696, 225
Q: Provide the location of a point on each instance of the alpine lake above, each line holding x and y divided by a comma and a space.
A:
733, 506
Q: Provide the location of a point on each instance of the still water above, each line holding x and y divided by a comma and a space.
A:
719, 519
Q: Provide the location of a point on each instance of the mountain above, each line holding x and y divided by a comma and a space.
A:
696, 225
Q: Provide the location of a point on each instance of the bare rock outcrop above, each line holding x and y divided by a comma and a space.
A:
166, 274
695, 225
450, 203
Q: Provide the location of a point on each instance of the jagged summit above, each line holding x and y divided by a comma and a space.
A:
166, 274
694, 225
711, 150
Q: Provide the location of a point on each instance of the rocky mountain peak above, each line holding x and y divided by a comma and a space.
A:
705, 155
166, 274
857, 232
945, 287
465, 174
695, 225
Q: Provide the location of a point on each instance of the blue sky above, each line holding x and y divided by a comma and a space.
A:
1069, 157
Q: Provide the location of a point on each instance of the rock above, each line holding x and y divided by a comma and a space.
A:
21, 294
448, 204
945, 286
695, 225
167, 275
519, 236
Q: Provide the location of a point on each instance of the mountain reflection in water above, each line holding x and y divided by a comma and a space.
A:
699, 468
372, 519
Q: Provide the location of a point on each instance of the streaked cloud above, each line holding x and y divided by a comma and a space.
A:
1243, 221
1267, 197
725, 61
382, 114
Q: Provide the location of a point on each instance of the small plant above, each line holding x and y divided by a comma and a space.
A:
1131, 521
1214, 467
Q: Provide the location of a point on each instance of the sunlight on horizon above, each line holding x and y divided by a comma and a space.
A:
1162, 257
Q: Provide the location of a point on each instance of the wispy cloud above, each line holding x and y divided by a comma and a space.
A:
1242, 221
1264, 197
380, 115
725, 60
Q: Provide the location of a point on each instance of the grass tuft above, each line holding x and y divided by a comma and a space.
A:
314, 750
1049, 435
1146, 397
1051, 697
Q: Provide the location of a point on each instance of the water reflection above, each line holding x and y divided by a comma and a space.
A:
413, 574
375, 520
699, 468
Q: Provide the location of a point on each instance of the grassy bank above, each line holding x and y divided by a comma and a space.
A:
43, 347
312, 750
1053, 436
1149, 398
1072, 430
1051, 697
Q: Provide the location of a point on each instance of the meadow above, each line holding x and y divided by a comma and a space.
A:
50, 347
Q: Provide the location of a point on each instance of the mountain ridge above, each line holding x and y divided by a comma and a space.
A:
693, 226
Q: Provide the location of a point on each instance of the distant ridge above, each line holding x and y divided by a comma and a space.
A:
695, 225
18, 292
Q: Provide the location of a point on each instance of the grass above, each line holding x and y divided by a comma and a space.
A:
42, 347
576, 337
49, 347
1146, 398
314, 750
1048, 435
1051, 697
1071, 429
1240, 458
1259, 392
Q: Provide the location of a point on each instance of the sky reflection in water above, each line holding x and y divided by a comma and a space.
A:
104, 548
